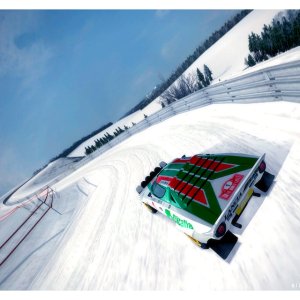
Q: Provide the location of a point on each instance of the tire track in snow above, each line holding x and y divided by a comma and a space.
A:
135, 250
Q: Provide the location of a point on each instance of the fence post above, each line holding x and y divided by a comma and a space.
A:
272, 85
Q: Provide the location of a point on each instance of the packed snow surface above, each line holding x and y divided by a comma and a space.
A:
101, 237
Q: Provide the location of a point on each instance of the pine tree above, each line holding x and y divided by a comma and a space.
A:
296, 31
287, 32
105, 139
109, 136
98, 143
266, 44
87, 151
253, 42
250, 62
207, 81
208, 73
201, 79
200, 86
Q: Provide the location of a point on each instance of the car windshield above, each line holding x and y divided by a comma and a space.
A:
158, 190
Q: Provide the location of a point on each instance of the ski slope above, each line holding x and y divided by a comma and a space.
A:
100, 237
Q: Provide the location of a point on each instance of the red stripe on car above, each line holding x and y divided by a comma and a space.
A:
165, 178
189, 190
181, 160
210, 164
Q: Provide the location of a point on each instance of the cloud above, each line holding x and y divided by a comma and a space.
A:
143, 78
169, 47
22, 54
161, 13
12, 173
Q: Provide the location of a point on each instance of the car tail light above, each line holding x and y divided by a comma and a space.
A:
262, 167
221, 230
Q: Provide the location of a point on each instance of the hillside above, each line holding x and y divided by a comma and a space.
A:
226, 57
224, 61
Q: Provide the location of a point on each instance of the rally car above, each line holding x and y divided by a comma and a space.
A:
205, 194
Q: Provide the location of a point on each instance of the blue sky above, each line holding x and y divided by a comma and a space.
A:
64, 74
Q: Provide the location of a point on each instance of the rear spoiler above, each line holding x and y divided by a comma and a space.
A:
229, 212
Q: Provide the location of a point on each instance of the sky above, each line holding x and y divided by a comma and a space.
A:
65, 73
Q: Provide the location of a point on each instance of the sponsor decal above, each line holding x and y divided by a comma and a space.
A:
230, 186
251, 180
177, 220
233, 206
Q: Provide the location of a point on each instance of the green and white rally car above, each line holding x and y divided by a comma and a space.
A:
205, 194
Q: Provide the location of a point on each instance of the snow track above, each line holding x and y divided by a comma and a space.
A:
96, 234
113, 243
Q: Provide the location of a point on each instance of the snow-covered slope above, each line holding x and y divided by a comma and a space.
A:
110, 241
292, 55
225, 58
134, 117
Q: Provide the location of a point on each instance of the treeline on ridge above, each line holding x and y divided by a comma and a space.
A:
98, 143
281, 35
67, 151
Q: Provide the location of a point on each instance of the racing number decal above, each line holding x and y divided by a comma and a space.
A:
230, 186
